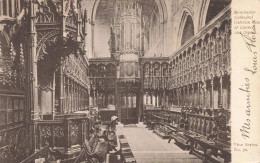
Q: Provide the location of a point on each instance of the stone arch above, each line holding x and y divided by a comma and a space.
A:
210, 5
186, 24
203, 13
162, 10
94, 10
160, 3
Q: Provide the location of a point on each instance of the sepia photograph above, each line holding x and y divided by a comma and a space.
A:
115, 81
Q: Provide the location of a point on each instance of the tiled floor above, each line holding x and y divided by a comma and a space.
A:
147, 147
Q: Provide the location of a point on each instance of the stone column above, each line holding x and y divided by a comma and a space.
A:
32, 87
33, 81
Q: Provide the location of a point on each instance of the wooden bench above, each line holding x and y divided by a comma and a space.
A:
126, 152
150, 118
166, 123
208, 139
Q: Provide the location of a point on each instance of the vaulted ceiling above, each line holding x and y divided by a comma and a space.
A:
106, 9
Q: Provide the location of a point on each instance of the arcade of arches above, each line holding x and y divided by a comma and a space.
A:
165, 63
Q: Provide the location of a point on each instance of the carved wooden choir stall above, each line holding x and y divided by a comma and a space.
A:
197, 92
57, 98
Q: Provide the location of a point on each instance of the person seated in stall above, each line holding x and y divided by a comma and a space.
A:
113, 123
106, 135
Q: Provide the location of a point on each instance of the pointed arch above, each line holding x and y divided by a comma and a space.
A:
209, 9
160, 3
186, 28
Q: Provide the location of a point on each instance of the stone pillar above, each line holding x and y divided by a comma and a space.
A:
33, 81
32, 87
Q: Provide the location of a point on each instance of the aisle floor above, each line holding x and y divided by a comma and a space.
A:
147, 147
